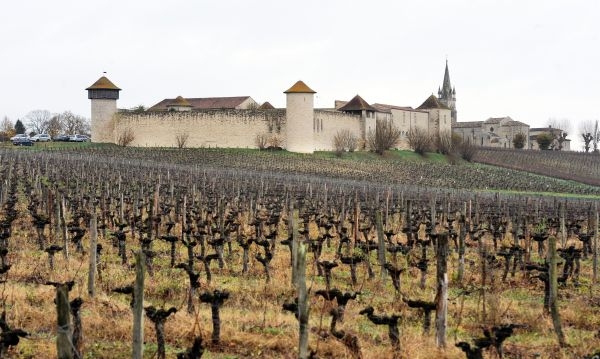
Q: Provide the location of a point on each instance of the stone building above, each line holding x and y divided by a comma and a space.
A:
560, 142
493, 132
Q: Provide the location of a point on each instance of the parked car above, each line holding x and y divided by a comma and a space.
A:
20, 135
42, 137
79, 138
61, 138
22, 141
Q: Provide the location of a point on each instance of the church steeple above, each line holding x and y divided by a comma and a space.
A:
447, 94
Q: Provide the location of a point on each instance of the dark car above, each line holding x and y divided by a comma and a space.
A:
61, 138
22, 141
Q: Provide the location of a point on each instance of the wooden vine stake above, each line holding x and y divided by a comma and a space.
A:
63, 310
302, 301
293, 226
595, 249
553, 282
381, 246
441, 299
138, 305
92, 252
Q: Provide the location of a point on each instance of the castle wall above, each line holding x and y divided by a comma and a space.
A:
210, 128
328, 123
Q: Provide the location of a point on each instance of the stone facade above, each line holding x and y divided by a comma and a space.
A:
493, 132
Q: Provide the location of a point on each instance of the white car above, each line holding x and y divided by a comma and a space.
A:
42, 137
20, 135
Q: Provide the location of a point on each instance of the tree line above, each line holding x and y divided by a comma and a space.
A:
43, 121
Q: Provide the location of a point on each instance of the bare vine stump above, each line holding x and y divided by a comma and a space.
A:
195, 352
77, 327
138, 305
64, 337
390, 320
159, 317
215, 299
442, 290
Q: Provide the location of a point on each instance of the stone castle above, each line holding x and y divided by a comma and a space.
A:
239, 121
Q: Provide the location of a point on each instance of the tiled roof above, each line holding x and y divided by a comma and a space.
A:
299, 87
467, 124
266, 106
103, 84
207, 103
432, 102
388, 108
357, 104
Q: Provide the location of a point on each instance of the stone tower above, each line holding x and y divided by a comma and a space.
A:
447, 94
299, 118
104, 95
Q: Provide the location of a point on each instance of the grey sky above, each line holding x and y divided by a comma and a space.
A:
530, 60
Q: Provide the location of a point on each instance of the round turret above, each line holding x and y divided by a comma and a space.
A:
299, 118
103, 95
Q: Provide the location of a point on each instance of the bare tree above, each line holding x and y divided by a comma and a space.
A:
182, 139
126, 137
275, 142
54, 126
385, 136
344, 140
419, 140
38, 120
7, 129
73, 124
444, 143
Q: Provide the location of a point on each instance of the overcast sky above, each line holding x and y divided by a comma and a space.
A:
530, 60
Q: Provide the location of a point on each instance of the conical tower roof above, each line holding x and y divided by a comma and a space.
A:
103, 83
357, 104
446, 87
299, 87
432, 102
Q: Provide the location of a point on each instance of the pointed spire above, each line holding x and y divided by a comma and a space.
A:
446, 87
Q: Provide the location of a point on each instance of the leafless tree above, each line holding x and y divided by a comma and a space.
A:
182, 139
37, 120
385, 136
419, 140
73, 124
7, 129
126, 137
275, 142
54, 126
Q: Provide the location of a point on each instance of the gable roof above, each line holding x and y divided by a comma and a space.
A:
266, 106
357, 104
299, 87
103, 83
205, 103
432, 102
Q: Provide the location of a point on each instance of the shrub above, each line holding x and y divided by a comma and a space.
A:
344, 140
444, 143
182, 139
126, 137
261, 141
467, 150
544, 140
519, 140
275, 142
385, 136
419, 140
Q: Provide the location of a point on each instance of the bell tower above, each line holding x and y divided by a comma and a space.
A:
103, 95
447, 94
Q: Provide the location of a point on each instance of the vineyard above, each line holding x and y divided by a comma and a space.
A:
580, 167
109, 252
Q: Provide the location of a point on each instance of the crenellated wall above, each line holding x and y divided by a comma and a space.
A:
210, 128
